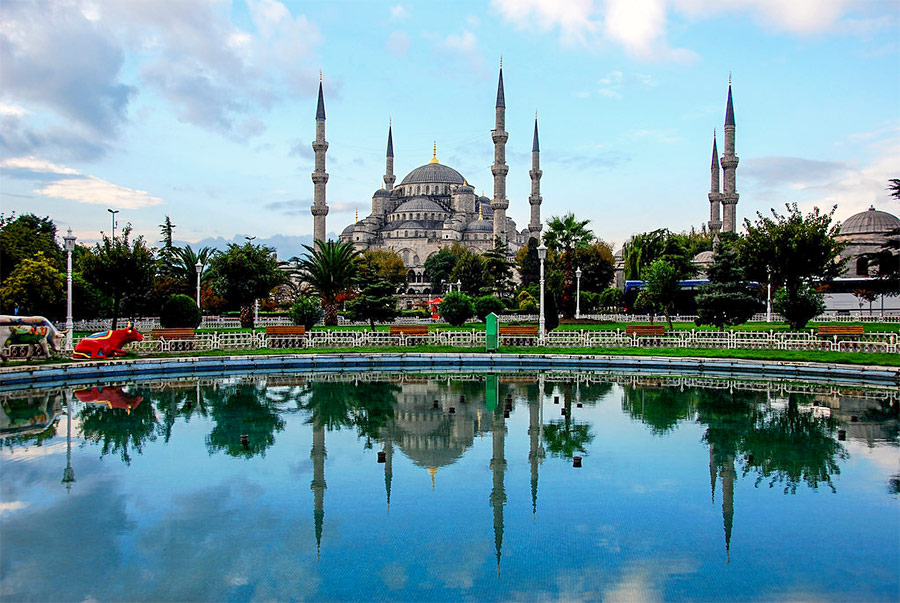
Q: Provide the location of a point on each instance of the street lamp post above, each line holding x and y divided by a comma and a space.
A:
578, 293
542, 254
769, 296
459, 285
113, 212
70, 326
199, 268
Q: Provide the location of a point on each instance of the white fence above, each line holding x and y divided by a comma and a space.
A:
694, 339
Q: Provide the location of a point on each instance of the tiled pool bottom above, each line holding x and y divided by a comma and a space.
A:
417, 487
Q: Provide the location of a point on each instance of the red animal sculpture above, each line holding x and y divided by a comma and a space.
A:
108, 344
110, 396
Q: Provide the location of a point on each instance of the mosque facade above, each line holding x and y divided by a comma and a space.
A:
433, 206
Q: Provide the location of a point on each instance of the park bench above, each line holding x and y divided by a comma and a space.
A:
183, 338
513, 334
645, 329
417, 332
839, 330
284, 336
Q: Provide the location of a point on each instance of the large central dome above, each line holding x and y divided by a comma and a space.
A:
433, 173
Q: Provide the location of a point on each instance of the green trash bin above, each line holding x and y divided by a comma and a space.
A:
492, 332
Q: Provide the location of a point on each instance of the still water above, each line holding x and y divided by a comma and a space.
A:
416, 487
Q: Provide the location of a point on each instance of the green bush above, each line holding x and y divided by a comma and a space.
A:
456, 308
486, 304
306, 311
416, 313
180, 312
611, 298
527, 303
800, 306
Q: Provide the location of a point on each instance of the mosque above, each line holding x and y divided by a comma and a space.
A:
434, 205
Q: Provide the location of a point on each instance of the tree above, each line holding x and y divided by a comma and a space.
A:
383, 264
35, 287
456, 308
643, 249
244, 411
306, 311
485, 305
563, 236
498, 269
439, 266
799, 307
24, 237
661, 287
727, 299
330, 269
181, 265
122, 269
528, 263
794, 251
469, 271
244, 273
376, 301
180, 311
597, 265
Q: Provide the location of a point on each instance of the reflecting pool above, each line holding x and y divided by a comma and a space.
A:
446, 487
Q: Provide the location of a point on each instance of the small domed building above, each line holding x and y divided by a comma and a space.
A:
865, 233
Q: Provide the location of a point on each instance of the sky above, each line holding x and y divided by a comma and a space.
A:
204, 110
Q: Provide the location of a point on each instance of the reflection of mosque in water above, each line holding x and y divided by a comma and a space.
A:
433, 421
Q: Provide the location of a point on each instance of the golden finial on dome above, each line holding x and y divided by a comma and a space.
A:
501, 61
434, 154
432, 471
356, 219
320, 75
480, 217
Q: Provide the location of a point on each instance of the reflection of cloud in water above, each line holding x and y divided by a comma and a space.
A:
644, 580
885, 457
394, 576
457, 568
664, 485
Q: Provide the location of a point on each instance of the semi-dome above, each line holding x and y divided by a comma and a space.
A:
382, 193
704, 257
480, 226
870, 221
433, 173
419, 204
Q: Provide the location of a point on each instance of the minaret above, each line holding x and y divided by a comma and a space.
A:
388, 467
729, 167
389, 177
319, 177
318, 485
498, 467
715, 196
499, 203
534, 226
728, 475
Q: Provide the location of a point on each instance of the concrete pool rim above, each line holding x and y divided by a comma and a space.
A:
24, 376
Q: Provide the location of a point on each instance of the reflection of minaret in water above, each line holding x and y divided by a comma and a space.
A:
318, 486
536, 449
498, 467
728, 474
388, 467
69, 472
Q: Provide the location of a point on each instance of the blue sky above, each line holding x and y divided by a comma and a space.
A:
204, 111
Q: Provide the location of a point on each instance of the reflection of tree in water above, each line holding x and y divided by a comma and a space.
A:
328, 404
373, 407
242, 410
792, 447
659, 408
117, 430
29, 418
567, 436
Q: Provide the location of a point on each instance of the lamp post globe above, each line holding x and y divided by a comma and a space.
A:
69, 240
542, 255
578, 293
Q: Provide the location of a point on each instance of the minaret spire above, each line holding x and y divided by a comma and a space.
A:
535, 199
319, 176
499, 203
389, 177
715, 196
498, 468
318, 485
729, 169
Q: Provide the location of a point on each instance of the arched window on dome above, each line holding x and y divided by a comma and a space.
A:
411, 276
405, 233
418, 189
427, 189
862, 267
416, 259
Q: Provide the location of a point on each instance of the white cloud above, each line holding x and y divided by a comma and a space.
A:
90, 189
35, 165
640, 26
399, 12
464, 42
8, 110
398, 43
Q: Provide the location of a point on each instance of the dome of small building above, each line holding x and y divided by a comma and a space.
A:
870, 221
433, 173
480, 226
348, 230
704, 257
382, 193
419, 204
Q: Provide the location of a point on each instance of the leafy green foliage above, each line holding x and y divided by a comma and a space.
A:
35, 287
382, 264
439, 266
486, 304
727, 300
643, 249
375, 301
611, 298
180, 311
456, 308
528, 263
798, 306
661, 287
306, 311
565, 234
24, 237
244, 273
597, 265
123, 270
469, 271
330, 269
498, 269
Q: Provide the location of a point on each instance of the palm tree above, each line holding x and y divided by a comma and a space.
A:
329, 269
564, 235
